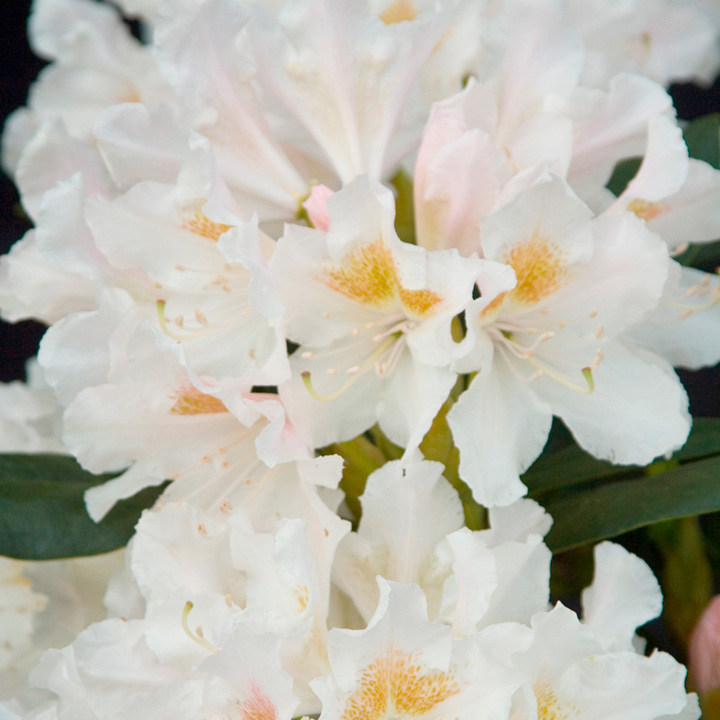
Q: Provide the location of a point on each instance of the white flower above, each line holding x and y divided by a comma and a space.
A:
404, 665
374, 323
550, 345
411, 531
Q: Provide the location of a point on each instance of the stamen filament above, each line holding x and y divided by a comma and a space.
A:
562, 379
162, 320
367, 363
194, 636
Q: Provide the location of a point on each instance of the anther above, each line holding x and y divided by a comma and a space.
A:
307, 355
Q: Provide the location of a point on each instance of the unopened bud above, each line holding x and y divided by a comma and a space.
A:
704, 648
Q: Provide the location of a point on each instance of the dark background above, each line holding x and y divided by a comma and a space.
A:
18, 68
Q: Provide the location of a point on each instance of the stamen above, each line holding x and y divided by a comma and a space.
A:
368, 363
162, 320
701, 290
562, 379
527, 353
195, 636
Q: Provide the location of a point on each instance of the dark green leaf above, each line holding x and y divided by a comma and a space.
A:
567, 467
42, 510
571, 465
703, 139
704, 256
623, 173
704, 440
593, 514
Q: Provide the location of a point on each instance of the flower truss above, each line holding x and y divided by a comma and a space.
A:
271, 237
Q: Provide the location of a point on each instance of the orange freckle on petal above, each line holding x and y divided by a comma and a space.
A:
200, 224
645, 209
540, 268
190, 401
396, 685
366, 275
419, 302
548, 705
398, 11
257, 706
369, 276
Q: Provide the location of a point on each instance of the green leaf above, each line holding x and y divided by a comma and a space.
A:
686, 576
703, 139
42, 509
623, 173
704, 440
572, 466
592, 514
568, 467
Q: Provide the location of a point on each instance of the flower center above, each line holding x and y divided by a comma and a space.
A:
369, 276
200, 224
190, 401
540, 268
395, 685
548, 705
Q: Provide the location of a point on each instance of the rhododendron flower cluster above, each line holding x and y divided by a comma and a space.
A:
281, 246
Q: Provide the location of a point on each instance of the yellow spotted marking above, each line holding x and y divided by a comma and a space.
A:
257, 706
395, 685
540, 268
191, 401
200, 224
398, 11
645, 209
548, 705
303, 597
369, 276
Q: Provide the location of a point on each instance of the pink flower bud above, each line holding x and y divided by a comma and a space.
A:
704, 648
316, 207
